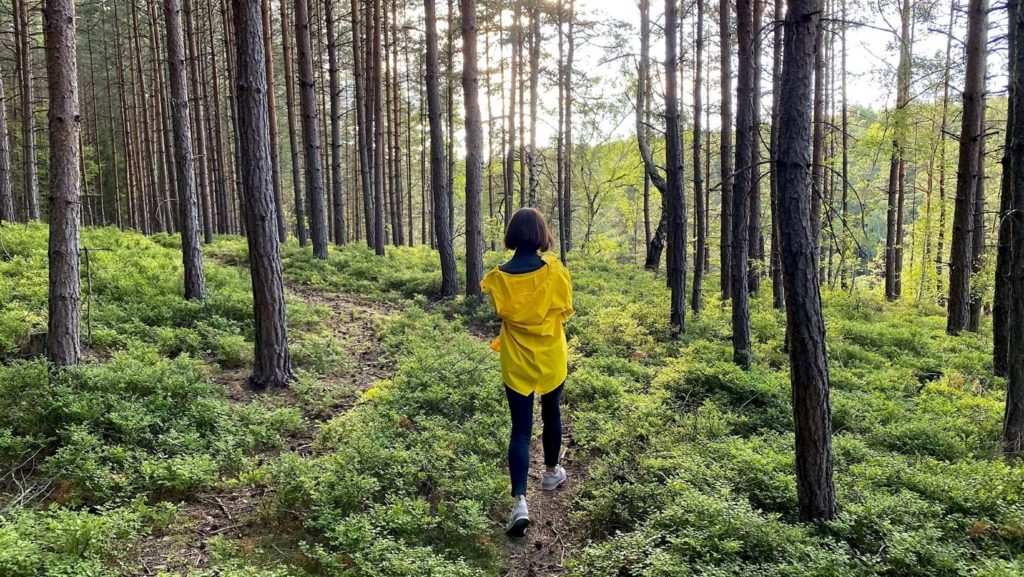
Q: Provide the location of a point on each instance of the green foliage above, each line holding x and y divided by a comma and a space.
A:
408, 480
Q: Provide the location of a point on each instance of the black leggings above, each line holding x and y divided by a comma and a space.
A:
521, 408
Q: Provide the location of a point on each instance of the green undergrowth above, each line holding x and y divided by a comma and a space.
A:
689, 461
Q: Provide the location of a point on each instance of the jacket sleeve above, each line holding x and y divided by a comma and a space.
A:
566, 293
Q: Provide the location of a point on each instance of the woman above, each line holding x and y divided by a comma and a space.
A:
532, 295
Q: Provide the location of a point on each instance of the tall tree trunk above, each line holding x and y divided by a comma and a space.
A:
1013, 426
978, 233
200, 136
778, 297
534, 9
474, 150
6, 188
167, 203
221, 178
513, 86
804, 322
396, 129
438, 179
560, 140
310, 130
675, 265
275, 156
755, 251
143, 107
657, 243
293, 131
28, 121
741, 346
188, 210
961, 246
127, 127
450, 113
725, 149
362, 132
818, 137
378, 129
894, 216
698, 174
272, 367
940, 264
337, 192
63, 345
844, 246
1001, 302
570, 50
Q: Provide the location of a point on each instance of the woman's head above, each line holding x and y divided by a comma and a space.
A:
527, 230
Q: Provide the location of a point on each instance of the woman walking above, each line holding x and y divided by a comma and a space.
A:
532, 295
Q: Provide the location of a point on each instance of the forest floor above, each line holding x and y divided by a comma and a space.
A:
234, 514
386, 456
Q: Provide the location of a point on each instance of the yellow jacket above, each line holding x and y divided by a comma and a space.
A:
532, 307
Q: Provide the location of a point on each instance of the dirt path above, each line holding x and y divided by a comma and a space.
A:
551, 537
354, 322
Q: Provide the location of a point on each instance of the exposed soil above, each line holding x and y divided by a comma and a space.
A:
551, 536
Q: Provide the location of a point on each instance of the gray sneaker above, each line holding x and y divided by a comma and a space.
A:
518, 519
552, 481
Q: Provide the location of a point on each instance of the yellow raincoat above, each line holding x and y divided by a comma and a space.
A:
532, 307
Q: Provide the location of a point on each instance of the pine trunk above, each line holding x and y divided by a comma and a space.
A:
63, 344
188, 209
675, 265
310, 130
962, 241
272, 367
804, 322
438, 179
474, 150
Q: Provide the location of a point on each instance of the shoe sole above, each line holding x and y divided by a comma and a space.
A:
518, 528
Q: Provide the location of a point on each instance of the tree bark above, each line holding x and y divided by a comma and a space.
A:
657, 243
310, 130
474, 150
293, 132
272, 366
63, 344
894, 215
534, 9
438, 179
362, 132
778, 297
961, 246
28, 121
377, 112
725, 149
188, 210
1013, 426
741, 345
1001, 302
6, 188
275, 156
755, 251
337, 190
200, 136
698, 174
804, 322
675, 266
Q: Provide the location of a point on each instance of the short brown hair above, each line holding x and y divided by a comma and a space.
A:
528, 230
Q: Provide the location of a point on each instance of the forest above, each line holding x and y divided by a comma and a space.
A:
242, 330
